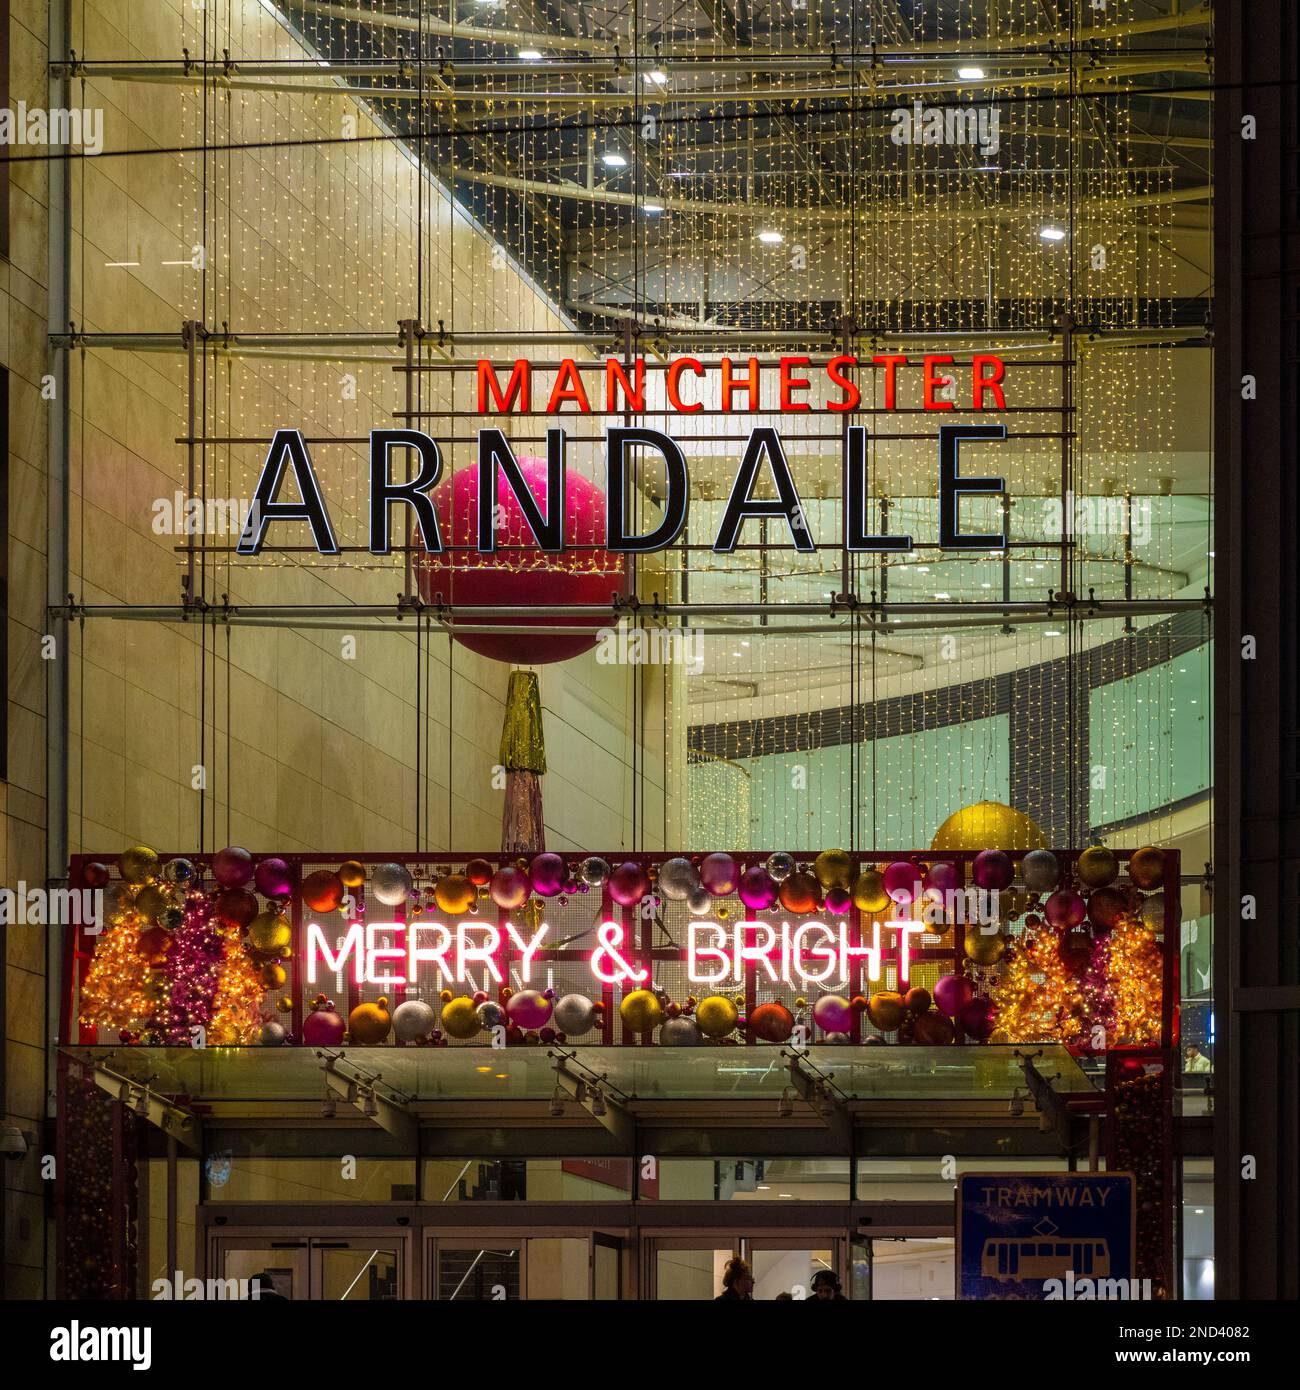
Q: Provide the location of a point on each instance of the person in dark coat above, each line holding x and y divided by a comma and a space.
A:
737, 1281
826, 1287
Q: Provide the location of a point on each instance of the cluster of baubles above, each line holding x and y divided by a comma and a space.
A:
1030, 884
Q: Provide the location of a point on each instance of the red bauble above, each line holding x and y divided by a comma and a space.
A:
772, 1022
236, 907
519, 574
933, 1029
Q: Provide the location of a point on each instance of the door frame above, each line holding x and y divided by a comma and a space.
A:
342, 1235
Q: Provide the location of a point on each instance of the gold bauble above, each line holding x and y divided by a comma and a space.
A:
455, 894
274, 975
150, 900
834, 868
886, 1010
368, 1024
641, 1011
138, 863
269, 931
1097, 867
984, 949
1147, 868
460, 1017
352, 873
988, 825
284, 1005
869, 892
716, 1016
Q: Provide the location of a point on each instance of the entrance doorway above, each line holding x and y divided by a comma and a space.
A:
690, 1267
492, 1266
354, 1268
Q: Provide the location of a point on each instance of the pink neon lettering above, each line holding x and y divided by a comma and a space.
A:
694, 950
610, 936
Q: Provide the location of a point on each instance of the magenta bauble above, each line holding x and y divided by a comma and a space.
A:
272, 878
976, 1019
993, 869
528, 1008
718, 873
952, 993
838, 900
548, 872
900, 880
519, 574
232, 867
1065, 908
832, 1013
941, 878
323, 1028
757, 891
509, 888
628, 883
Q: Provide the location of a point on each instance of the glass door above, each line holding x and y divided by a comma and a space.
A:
352, 1268
473, 1269
356, 1271
606, 1266
785, 1267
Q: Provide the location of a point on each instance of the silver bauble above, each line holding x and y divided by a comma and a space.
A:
412, 1020
700, 901
491, 1014
574, 1015
390, 884
1040, 870
272, 1034
179, 871
678, 878
680, 1032
594, 871
835, 1038
1152, 912
779, 866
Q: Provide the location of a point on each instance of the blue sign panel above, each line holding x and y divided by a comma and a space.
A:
1017, 1231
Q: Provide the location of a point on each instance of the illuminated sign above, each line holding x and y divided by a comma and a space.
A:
394, 954
764, 454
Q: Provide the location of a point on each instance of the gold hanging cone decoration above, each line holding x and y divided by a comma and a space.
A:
523, 755
523, 747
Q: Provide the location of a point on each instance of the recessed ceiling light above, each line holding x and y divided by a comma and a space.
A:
771, 238
529, 55
652, 207
657, 75
942, 593
923, 569
1200, 1211
611, 159
1051, 632
1052, 233
970, 74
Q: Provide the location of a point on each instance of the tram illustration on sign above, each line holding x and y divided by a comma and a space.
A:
1044, 1257
1025, 1235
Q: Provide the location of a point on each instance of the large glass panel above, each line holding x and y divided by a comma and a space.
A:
478, 1272
358, 1275
690, 1273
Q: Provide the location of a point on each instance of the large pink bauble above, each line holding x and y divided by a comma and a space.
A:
272, 878
900, 881
952, 993
519, 574
628, 883
832, 1013
941, 878
1065, 908
232, 867
509, 888
976, 1019
528, 1008
323, 1028
757, 891
719, 875
993, 869
548, 873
